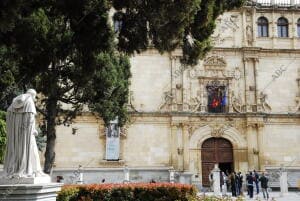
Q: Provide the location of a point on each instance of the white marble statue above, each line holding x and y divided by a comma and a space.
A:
22, 158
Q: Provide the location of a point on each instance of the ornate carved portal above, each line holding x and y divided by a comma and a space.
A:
216, 150
215, 86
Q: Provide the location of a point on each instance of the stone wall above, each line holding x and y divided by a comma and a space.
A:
169, 115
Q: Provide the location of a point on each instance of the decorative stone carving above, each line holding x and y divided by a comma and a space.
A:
217, 130
263, 102
130, 105
237, 73
249, 34
195, 104
22, 161
215, 63
168, 99
226, 27
236, 102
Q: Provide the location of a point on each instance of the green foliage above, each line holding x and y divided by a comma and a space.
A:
66, 50
68, 194
108, 88
9, 74
41, 140
2, 136
128, 192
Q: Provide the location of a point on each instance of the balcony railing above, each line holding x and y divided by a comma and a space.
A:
279, 3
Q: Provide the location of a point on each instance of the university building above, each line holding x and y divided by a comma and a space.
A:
239, 107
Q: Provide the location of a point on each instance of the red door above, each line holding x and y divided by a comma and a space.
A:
214, 150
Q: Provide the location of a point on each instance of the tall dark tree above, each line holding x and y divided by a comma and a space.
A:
170, 24
66, 50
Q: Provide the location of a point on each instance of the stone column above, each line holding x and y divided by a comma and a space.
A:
252, 147
230, 107
202, 107
126, 175
173, 83
180, 149
186, 89
256, 95
294, 34
245, 43
272, 27
254, 25
186, 153
216, 180
172, 175
173, 146
283, 181
260, 143
247, 92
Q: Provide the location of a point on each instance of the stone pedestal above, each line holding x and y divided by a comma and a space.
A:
216, 179
172, 175
185, 178
283, 182
30, 180
33, 192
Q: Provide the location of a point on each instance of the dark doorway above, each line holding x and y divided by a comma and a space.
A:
216, 150
226, 167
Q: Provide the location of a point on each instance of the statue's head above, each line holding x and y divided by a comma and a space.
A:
32, 92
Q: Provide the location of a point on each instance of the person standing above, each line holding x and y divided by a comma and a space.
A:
233, 184
250, 184
256, 180
237, 184
240, 182
264, 185
221, 180
225, 181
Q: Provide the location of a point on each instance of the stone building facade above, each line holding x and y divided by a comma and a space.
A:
239, 107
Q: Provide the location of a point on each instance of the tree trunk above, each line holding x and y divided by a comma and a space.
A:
51, 134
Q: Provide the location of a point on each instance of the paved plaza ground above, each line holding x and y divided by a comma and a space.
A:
273, 196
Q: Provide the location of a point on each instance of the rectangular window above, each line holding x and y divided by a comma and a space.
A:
262, 31
282, 31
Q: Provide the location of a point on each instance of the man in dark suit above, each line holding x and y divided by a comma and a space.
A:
250, 184
264, 185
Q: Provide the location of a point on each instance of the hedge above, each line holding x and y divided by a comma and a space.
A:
127, 192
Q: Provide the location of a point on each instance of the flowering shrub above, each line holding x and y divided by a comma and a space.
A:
127, 192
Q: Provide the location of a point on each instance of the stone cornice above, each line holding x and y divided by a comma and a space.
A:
232, 115
255, 49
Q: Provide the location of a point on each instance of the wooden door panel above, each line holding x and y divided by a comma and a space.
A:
224, 144
210, 143
225, 156
206, 168
208, 155
214, 150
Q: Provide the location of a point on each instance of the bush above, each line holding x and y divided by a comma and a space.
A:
2, 136
127, 192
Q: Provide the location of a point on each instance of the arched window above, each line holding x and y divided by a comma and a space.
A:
283, 27
298, 27
263, 27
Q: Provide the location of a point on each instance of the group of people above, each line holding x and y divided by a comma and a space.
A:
234, 182
252, 179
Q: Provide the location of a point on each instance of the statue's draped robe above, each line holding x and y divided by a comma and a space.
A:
21, 159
